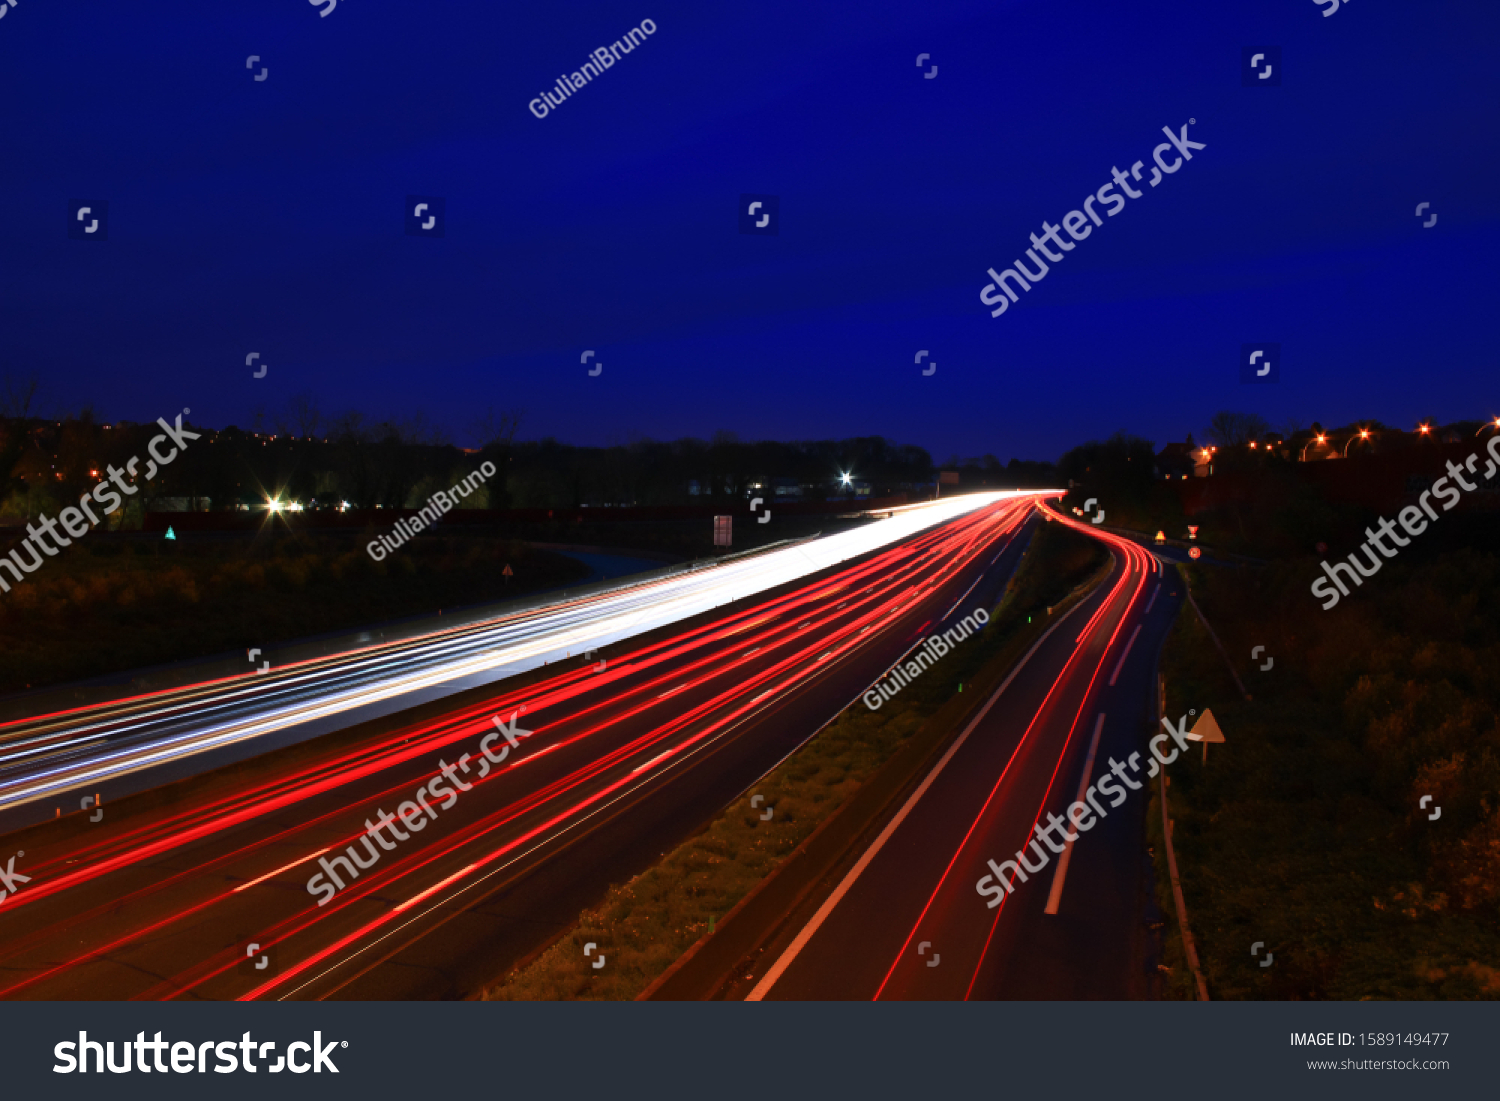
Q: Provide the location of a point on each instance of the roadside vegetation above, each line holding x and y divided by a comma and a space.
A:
112, 605
1307, 829
644, 925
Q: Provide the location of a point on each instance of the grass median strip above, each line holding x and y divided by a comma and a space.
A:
642, 927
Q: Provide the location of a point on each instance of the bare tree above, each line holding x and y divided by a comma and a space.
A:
16, 396
1236, 429
302, 412
495, 427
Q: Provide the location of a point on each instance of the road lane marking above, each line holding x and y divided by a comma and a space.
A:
1154, 594
961, 599
1121, 663
773, 976
1083, 785
278, 871
653, 760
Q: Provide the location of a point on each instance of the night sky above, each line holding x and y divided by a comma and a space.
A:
269, 216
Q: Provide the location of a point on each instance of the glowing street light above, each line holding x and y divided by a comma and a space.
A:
1364, 434
1320, 441
1493, 424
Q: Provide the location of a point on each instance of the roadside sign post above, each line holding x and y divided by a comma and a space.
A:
1205, 730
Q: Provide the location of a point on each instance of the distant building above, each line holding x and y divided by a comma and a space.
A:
1176, 461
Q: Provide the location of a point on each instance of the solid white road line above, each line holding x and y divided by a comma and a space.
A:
1121, 663
278, 871
961, 599
1083, 785
772, 976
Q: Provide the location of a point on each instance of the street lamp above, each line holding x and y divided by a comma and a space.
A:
1493, 424
1364, 434
1309, 443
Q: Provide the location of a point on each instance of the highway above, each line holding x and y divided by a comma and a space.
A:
420, 856
917, 913
50, 761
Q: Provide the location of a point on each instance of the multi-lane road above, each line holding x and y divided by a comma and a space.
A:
129, 745
917, 912
419, 854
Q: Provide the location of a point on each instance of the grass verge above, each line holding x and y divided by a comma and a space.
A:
1306, 829
109, 607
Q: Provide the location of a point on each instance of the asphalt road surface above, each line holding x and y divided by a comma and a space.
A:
918, 915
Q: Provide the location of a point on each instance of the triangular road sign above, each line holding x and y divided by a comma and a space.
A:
1205, 729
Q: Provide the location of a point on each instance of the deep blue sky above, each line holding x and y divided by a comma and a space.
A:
268, 216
